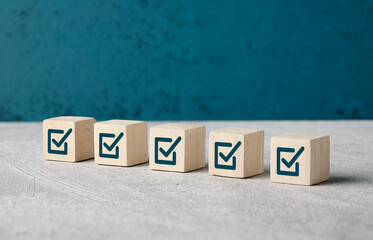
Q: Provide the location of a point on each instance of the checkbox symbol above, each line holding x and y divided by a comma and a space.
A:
166, 153
109, 148
229, 161
288, 164
58, 144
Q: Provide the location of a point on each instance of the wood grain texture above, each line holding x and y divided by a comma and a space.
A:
313, 162
132, 147
189, 152
248, 158
78, 144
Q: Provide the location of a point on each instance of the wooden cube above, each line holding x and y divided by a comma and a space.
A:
177, 147
121, 142
68, 139
300, 158
236, 152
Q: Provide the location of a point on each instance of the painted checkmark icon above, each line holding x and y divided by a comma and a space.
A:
164, 152
59, 143
226, 158
63, 139
110, 147
230, 154
290, 163
172, 147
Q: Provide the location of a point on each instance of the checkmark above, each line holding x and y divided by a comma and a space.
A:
62, 140
114, 155
165, 153
230, 154
109, 148
173, 146
58, 144
292, 161
226, 165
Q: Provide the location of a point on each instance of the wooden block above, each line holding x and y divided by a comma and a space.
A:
177, 147
121, 142
68, 139
236, 152
300, 158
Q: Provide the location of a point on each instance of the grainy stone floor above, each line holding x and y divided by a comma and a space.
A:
45, 199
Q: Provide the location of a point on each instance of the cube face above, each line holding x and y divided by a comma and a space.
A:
299, 158
177, 147
121, 142
236, 152
68, 139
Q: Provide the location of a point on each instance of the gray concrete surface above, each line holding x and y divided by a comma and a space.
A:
44, 199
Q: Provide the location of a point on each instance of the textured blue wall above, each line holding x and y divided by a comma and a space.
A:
191, 59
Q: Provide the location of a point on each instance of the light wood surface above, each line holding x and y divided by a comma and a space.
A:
246, 152
310, 167
70, 138
128, 144
187, 155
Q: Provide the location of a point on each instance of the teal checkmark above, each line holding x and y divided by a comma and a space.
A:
63, 139
230, 154
295, 157
226, 165
172, 147
109, 148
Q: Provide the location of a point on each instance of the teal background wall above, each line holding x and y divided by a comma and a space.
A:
172, 60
